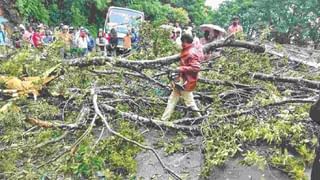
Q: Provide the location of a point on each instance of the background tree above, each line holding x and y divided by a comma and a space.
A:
293, 20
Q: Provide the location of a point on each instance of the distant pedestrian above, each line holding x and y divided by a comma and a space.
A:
127, 42
37, 39
113, 42
235, 27
82, 42
101, 40
3, 35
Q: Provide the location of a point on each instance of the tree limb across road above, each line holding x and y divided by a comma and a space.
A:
154, 64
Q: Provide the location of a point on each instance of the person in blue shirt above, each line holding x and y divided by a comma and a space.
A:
2, 35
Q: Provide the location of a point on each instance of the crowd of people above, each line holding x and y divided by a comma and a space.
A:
209, 35
76, 41
79, 41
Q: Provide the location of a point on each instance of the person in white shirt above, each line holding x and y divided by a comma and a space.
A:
82, 42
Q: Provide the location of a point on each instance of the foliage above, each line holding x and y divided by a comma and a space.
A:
112, 154
253, 158
287, 19
174, 145
226, 139
160, 13
155, 42
33, 9
289, 164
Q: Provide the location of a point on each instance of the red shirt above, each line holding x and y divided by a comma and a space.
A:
189, 67
36, 39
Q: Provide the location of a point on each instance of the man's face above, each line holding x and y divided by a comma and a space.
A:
235, 21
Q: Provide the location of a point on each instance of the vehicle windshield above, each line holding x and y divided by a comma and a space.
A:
122, 29
124, 17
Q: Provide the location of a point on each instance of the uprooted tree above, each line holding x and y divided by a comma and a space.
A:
77, 117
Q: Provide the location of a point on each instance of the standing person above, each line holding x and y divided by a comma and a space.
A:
82, 42
37, 39
66, 38
188, 75
235, 27
2, 35
16, 38
27, 35
177, 27
206, 38
113, 42
91, 42
73, 45
48, 38
127, 42
134, 38
315, 116
101, 40
178, 37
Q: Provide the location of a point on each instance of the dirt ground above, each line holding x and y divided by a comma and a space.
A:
188, 165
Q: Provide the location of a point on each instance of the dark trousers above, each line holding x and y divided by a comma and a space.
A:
315, 173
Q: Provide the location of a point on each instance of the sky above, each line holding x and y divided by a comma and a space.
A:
214, 3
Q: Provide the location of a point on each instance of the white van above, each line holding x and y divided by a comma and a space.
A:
123, 20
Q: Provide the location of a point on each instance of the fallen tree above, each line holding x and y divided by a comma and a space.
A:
75, 134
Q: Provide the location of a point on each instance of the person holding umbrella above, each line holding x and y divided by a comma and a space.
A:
211, 33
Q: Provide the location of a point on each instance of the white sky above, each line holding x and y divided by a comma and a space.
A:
214, 3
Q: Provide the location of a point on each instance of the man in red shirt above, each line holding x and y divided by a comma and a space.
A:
189, 69
36, 39
235, 27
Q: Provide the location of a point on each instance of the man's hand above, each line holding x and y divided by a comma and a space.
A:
177, 70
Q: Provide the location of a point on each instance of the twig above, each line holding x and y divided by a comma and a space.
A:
97, 110
51, 141
100, 136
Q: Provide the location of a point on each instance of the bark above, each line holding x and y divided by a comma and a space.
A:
300, 81
157, 123
307, 56
154, 64
224, 82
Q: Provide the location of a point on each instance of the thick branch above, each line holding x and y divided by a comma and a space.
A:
286, 101
224, 82
240, 44
153, 64
269, 77
163, 124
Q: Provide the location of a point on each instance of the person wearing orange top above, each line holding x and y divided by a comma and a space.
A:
127, 41
188, 76
235, 27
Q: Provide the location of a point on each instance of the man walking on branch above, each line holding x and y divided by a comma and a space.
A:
188, 75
